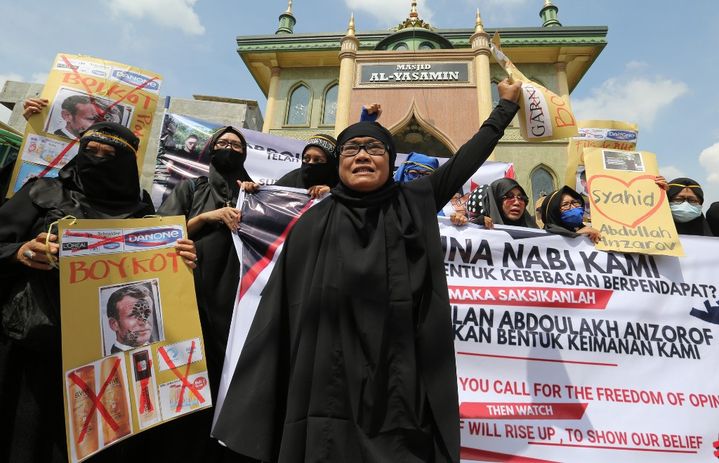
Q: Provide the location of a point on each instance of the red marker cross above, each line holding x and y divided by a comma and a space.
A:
96, 400
181, 377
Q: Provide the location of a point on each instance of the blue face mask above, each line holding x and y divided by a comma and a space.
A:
573, 217
685, 212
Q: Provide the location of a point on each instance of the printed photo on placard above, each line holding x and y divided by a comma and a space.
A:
29, 170
74, 111
147, 406
99, 405
623, 160
130, 316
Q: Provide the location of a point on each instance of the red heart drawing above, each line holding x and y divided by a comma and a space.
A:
598, 208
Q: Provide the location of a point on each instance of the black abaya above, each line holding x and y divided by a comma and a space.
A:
350, 356
32, 415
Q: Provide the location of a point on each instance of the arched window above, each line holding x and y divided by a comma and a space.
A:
330, 107
298, 111
426, 46
401, 46
542, 182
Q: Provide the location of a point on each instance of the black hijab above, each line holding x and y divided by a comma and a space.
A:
552, 213
350, 354
487, 200
94, 187
227, 166
698, 226
309, 175
713, 218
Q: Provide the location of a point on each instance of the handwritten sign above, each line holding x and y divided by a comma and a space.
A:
83, 90
628, 208
131, 340
543, 115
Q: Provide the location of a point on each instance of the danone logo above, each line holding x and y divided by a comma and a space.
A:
623, 135
153, 237
135, 79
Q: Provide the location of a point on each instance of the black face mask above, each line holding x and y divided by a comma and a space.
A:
227, 160
109, 179
319, 174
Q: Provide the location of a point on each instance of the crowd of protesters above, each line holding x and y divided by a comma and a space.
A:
350, 356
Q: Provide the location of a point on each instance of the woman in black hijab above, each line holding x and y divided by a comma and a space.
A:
101, 182
350, 356
318, 172
503, 202
563, 212
208, 203
686, 198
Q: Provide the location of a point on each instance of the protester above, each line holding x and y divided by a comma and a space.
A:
415, 166
318, 172
79, 112
209, 206
685, 201
101, 182
563, 213
503, 202
350, 356
713, 218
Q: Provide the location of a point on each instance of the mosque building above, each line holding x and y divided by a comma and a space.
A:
435, 85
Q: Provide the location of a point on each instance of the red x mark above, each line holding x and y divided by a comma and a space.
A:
183, 378
103, 240
99, 110
96, 403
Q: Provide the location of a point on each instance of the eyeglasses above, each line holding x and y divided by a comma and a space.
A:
569, 205
222, 144
374, 148
693, 201
509, 197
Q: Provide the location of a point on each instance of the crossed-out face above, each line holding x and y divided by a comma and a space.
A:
85, 116
133, 327
364, 172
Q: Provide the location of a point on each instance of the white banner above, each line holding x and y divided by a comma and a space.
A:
566, 353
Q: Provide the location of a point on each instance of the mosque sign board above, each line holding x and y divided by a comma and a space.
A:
415, 73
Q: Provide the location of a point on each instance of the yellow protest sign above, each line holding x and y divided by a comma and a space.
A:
628, 208
132, 348
616, 135
82, 91
543, 115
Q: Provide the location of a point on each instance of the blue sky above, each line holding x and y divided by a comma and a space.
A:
658, 69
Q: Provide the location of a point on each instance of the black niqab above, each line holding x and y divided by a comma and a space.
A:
92, 187
713, 218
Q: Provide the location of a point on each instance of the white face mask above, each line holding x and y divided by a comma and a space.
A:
685, 212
